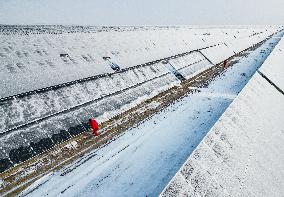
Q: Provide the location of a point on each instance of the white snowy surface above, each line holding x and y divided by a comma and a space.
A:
143, 160
219, 53
32, 61
273, 66
242, 155
35, 47
19, 111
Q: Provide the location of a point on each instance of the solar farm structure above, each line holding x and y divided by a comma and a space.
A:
54, 78
242, 155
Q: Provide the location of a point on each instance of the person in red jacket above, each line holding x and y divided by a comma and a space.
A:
95, 127
225, 64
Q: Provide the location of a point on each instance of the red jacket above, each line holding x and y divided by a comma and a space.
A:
226, 63
95, 127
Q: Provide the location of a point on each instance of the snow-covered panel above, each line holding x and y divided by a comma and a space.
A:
178, 129
27, 141
273, 66
194, 69
218, 53
41, 56
241, 44
242, 155
186, 60
22, 110
27, 121
26, 109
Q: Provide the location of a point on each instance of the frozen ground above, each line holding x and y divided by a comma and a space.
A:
145, 158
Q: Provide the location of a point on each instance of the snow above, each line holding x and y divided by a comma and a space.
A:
219, 53
143, 160
154, 43
71, 145
19, 111
273, 66
39, 182
31, 60
22, 110
242, 155
102, 109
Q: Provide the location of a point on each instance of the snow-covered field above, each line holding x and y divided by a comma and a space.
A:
145, 158
242, 155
